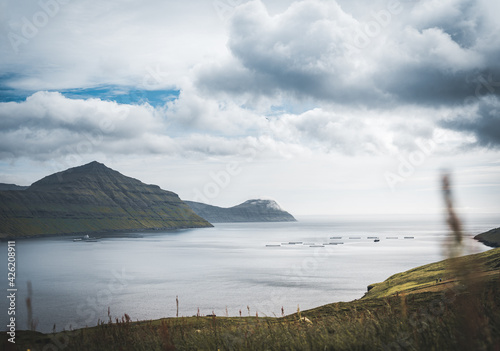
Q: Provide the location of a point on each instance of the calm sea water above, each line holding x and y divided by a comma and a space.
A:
222, 270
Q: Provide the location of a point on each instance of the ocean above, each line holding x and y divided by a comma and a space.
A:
231, 269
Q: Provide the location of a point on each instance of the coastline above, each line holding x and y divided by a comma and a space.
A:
117, 231
490, 238
393, 296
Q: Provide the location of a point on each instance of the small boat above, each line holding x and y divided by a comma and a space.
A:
86, 238
376, 240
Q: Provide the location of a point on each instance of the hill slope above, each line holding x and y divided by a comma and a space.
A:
423, 278
4, 187
249, 211
490, 238
91, 198
400, 313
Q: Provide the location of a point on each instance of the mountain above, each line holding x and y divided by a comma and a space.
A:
490, 238
4, 187
91, 198
249, 211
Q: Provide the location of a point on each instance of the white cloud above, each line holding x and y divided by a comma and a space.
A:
282, 80
222, 117
116, 42
49, 125
316, 50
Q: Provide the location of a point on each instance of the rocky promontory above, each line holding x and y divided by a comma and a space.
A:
256, 210
490, 238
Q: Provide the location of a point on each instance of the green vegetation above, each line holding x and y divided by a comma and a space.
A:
424, 278
91, 198
409, 311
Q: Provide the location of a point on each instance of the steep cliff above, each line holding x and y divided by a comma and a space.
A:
91, 198
249, 211
490, 238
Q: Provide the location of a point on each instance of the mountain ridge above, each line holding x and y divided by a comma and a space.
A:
12, 187
254, 210
92, 198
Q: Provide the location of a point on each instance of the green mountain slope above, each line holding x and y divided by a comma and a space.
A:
249, 211
91, 198
436, 276
408, 311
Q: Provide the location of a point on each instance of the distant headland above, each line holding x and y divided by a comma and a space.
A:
256, 210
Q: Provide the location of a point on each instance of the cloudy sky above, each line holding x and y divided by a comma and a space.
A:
329, 107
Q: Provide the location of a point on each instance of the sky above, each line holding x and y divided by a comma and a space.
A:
328, 107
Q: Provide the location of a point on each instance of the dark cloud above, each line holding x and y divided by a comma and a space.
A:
315, 49
483, 123
362, 69
300, 53
427, 54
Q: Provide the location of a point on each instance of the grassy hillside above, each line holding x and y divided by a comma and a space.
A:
91, 198
436, 276
408, 311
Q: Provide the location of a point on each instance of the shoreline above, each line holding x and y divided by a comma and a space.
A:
366, 297
137, 230
489, 238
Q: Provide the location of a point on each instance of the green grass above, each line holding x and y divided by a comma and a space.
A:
461, 314
425, 276
91, 198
